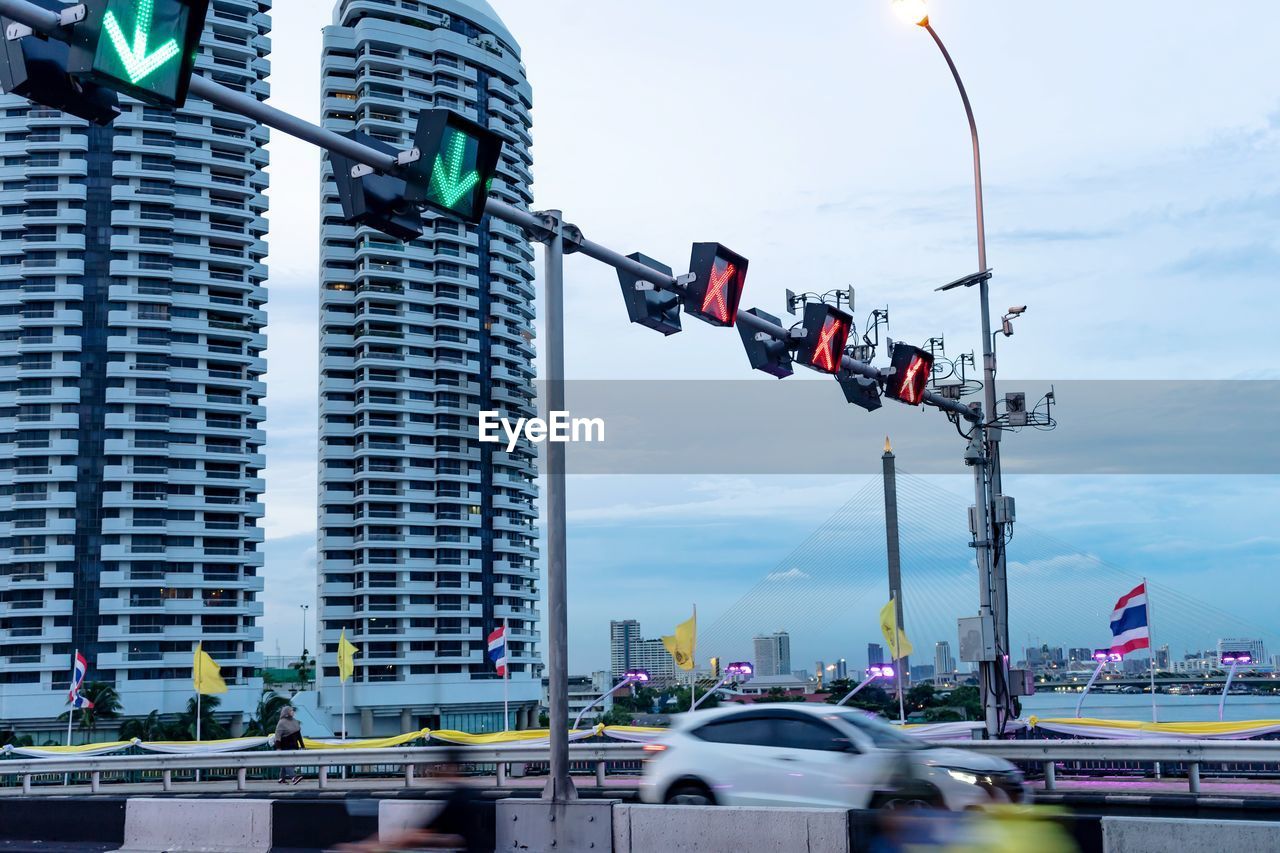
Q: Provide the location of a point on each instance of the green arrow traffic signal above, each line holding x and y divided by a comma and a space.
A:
456, 164
450, 178
138, 64
143, 48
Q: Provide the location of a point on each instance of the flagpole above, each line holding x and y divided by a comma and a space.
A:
1151, 640
198, 720
897, 659
71, 716
344, 710
506, 677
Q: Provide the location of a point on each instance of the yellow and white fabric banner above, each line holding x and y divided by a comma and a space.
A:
1132, 730
371, 743
183, 747
532, 737
86, 750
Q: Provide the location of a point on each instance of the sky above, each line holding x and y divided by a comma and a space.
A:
1132, 187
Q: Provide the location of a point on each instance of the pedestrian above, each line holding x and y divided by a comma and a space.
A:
289, 736
459, 824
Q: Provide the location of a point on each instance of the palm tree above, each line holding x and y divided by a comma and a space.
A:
106, 705
147, 729
267, 714
210, 729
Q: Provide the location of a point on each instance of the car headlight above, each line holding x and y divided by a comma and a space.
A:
962, 776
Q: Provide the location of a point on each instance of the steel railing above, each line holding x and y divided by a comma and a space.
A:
402, 762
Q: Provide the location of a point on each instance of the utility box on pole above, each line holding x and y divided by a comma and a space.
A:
977, 639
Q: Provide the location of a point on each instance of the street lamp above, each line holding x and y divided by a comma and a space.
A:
632, 676
988, 487
737, 672
873, 672
1103, 657
1235, 659
305, 608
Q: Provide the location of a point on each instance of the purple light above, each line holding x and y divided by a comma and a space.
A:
1116, 657
1102, 655
886, 671
1237, 657
740, 668
880, 672
640, 676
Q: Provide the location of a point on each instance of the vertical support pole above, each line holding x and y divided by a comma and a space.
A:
890, 470
559, 787
26, 784
242, 779
987, 669
600, 771
95, 781
1193, 776
408, 775
166, 779
502, 775
1050, 776
323, 776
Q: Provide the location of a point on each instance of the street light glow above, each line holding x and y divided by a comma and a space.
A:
912, 11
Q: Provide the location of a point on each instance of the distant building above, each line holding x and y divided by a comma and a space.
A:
628, 650
821, 669
786, 683
584, 690
1162, 657
875, 654
773, 654
943, 662
922, 672
1194, 664
1254, 648
1082, 655
842, 669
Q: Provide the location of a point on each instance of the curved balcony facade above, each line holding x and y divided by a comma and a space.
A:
131, 317
426, 536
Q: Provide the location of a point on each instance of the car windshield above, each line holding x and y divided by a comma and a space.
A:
882, 735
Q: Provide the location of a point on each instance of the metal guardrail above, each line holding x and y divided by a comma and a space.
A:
405, 760
1190, 753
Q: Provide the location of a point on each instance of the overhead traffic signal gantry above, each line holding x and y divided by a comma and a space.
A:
826, 331
646, 304
143, 48
719, 277
373, 199
764, 351
37, 69
908, 380
457, 160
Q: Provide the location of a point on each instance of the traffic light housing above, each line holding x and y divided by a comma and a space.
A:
143, 48
720, 276
656, 309
771, 355
912, 368
860, 391
826, 333
457, 159
36, 69
375, 200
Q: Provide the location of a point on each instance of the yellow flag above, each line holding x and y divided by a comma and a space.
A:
346, 656
889, 627
680, 644
205, 673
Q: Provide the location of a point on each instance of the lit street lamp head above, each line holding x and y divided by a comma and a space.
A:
912, 12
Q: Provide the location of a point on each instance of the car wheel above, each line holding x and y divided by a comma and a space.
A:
690, 794
894, 804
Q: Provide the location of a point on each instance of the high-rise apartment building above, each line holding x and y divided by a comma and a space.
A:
1255, 649
943, 662
629, 651
131, 315
426, 536
773, 654
875, 654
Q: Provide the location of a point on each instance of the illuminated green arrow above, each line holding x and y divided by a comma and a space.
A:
138, 64
448, 183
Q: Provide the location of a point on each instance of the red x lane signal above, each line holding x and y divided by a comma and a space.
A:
826, 333
719, 278
912, 368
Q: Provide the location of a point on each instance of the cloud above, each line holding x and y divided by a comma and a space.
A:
789, 575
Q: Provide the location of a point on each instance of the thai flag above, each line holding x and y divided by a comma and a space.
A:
498, 650
79, 670
1129, 628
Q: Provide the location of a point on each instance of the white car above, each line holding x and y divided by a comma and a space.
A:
818, 756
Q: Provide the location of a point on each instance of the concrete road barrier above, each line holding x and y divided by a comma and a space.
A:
197, 826
398, 816
1160, 835
696, 829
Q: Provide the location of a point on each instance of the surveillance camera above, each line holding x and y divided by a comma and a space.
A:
1018, 310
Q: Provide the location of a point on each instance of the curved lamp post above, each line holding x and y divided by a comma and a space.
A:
1103, 657
873, 673
633, 676
1235, 659
736, 672
994, 588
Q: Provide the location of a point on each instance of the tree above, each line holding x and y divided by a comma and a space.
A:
920, 696
777, 694
106, 705
150, 728
210, 729
267, 714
